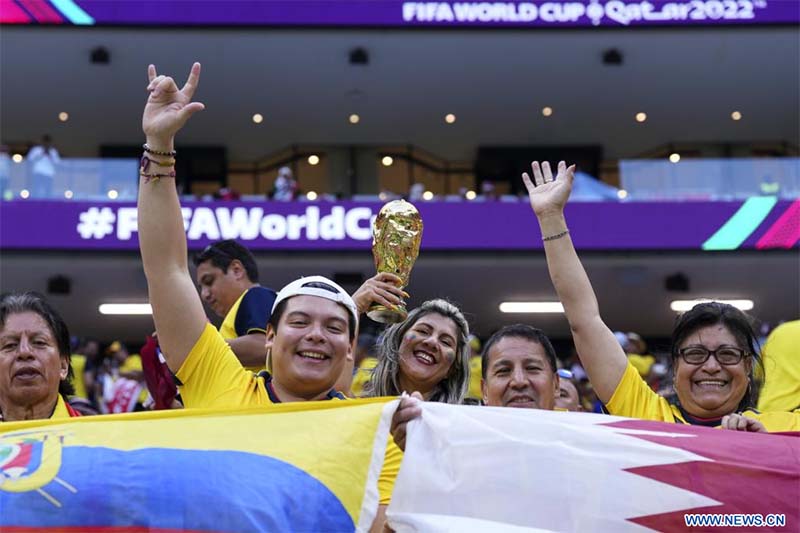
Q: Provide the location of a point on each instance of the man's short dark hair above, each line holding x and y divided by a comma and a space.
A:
222, 253
519, 331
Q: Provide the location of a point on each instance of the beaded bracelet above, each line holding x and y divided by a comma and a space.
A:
144, 163
156, 177
556, 236
149, 150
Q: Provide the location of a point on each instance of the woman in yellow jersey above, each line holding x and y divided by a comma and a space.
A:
713, 346
426, 355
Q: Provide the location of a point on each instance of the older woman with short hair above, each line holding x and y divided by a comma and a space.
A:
35, 372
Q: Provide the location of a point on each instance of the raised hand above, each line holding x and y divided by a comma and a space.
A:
548, 195
168, 108
383, 288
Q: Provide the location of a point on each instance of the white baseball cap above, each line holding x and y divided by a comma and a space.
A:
309, 286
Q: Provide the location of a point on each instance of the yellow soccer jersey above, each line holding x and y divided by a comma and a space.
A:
212, 376
362, 375
781, 355
475, 378
633, 398
78, 364
249, 314
61, 409
391, 466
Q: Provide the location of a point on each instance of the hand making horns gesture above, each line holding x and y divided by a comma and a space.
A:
168, 108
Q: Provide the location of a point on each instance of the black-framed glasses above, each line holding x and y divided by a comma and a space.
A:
725, 355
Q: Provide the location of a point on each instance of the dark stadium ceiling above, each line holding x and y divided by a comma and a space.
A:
496, 82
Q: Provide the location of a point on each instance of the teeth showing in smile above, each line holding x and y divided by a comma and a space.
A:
426, 358
521, 399
314, 355
711, 383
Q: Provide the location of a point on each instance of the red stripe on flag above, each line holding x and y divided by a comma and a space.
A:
42, 11
23, 459
11, 13
785, 232
750, 473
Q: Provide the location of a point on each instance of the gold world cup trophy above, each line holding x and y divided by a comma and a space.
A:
396, 237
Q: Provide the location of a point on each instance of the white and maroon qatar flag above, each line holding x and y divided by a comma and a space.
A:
500, 469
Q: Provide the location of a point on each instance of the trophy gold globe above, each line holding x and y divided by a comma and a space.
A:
396, 237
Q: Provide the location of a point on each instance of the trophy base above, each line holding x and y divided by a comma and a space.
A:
387, 315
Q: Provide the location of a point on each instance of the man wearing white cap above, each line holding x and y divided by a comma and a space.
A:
313, 324
309, 336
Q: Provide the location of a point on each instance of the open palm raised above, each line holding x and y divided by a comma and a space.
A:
168, 108
548, 195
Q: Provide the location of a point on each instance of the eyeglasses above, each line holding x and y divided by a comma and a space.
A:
725, 355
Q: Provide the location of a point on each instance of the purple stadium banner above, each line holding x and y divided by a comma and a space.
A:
394, 13
61, 225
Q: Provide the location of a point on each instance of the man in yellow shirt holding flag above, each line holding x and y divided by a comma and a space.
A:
313, 322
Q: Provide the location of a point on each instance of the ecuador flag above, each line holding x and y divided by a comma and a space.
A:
310, 466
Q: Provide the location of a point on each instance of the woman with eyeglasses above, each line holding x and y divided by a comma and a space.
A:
714, 355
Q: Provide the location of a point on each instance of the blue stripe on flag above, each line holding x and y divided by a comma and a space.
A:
180, 489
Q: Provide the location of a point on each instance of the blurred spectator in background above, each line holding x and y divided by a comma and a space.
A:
488, 190
364, 361
781, 355
415, 192
161, 382
227, 194
636, 350
43, 159
581, 381
474, 394
285, 188
5, 173
228, 278
568, 396
120, 381
78, 363
87, 357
